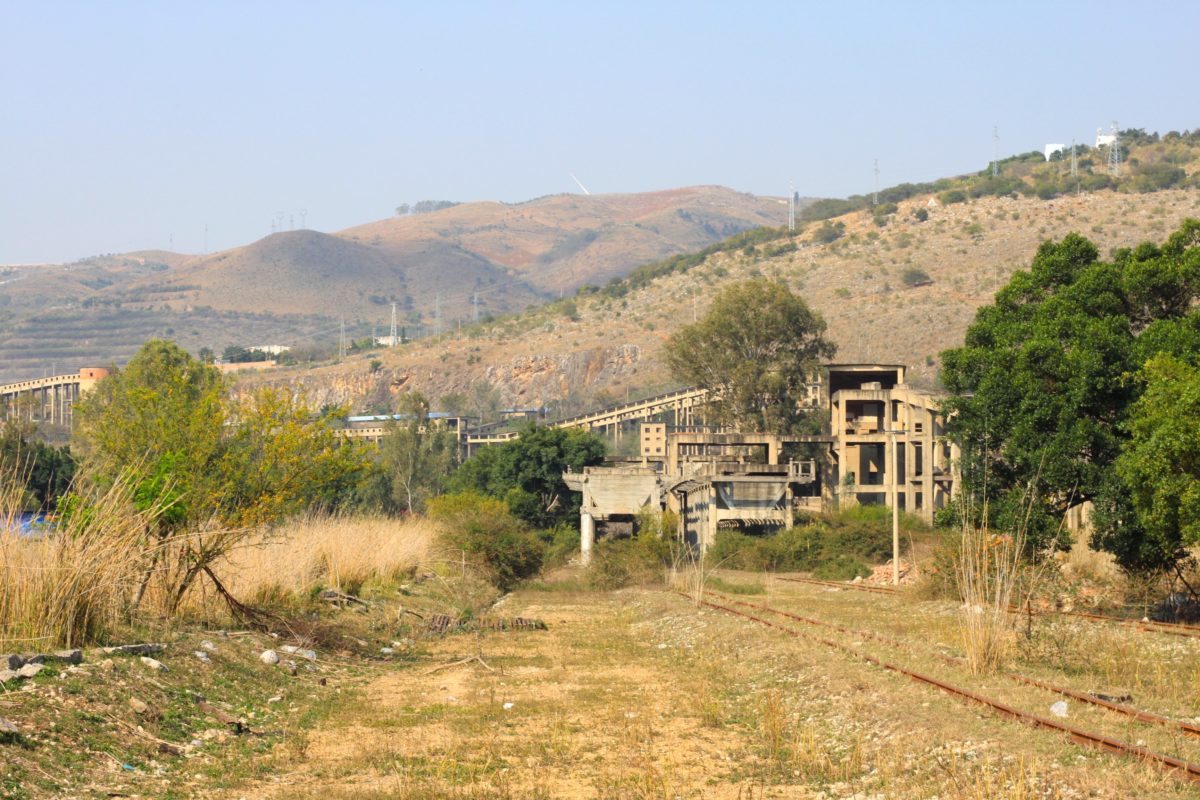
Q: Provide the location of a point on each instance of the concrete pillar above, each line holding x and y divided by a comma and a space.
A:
587, 537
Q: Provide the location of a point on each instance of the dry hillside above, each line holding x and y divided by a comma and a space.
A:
610, 349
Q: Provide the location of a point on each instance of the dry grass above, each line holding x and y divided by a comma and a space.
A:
71, 585
987, 569
344, 553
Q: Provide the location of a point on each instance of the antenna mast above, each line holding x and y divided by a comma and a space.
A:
1114, 153
996, 151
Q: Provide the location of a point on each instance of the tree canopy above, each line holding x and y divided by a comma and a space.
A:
527, 472
755, 351
206, 462
1043, 386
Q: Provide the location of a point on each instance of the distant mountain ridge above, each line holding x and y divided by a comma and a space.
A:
440, 268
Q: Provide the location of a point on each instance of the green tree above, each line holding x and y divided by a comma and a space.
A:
46, 471
485, 531
416, 456
206, 464
1161, 462
527, 472
1041, 388
754, 351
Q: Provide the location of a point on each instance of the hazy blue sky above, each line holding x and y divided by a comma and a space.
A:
123, 124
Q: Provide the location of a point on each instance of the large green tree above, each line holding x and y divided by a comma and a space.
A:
45, 471
1042, 386
1161, 462
527, 472
755, 351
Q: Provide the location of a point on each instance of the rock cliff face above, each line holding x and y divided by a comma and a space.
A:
526, 381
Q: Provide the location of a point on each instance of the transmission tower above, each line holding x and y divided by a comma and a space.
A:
1114, 153
475, 307
1075, 166
995, 151
392, 342
792, 209
875, 194
437, 314
342, 340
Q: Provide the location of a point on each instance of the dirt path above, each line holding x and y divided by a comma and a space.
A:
638, 694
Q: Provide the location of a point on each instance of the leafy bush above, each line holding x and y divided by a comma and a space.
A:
915, 276
829, 232
952, 196
838, 547
921, 214
485, 531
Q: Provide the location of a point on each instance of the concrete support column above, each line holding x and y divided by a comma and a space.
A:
587, 537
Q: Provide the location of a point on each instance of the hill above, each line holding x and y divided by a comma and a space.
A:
898, 292
452, 265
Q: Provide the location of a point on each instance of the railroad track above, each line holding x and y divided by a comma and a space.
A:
1096, 741
1016, 677
1142, 626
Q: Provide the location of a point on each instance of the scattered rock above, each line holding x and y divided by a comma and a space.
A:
138, 706
29, 670
145, 649
154, 664
66, 656
35, 658
291, 666
7, 675
1059, 709
507, 706
203, 656
274, 699
311, 655
269, 657
109, 665
209, 646
8, 726
11, 661
387, 651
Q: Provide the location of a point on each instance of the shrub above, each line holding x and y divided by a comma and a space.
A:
485, 531
914, 276
921, 214
829, 232
952, 196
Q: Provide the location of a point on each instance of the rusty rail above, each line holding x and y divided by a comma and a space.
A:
1083, 697
1078, 735
1142, 626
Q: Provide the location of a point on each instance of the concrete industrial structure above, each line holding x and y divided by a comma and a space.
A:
886, 446
49, 400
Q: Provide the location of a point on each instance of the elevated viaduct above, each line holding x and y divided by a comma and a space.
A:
48, 400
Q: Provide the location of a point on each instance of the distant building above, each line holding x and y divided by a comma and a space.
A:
271, 349
1051, 149
1105, 139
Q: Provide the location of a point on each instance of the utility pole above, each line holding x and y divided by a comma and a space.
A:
1075, 166
1114, 153
437, 314
996, 151
895, 481
792, 209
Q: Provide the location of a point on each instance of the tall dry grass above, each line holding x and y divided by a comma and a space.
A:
344, 553
988, 568
71, 584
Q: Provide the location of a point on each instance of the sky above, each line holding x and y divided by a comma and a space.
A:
127, 126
